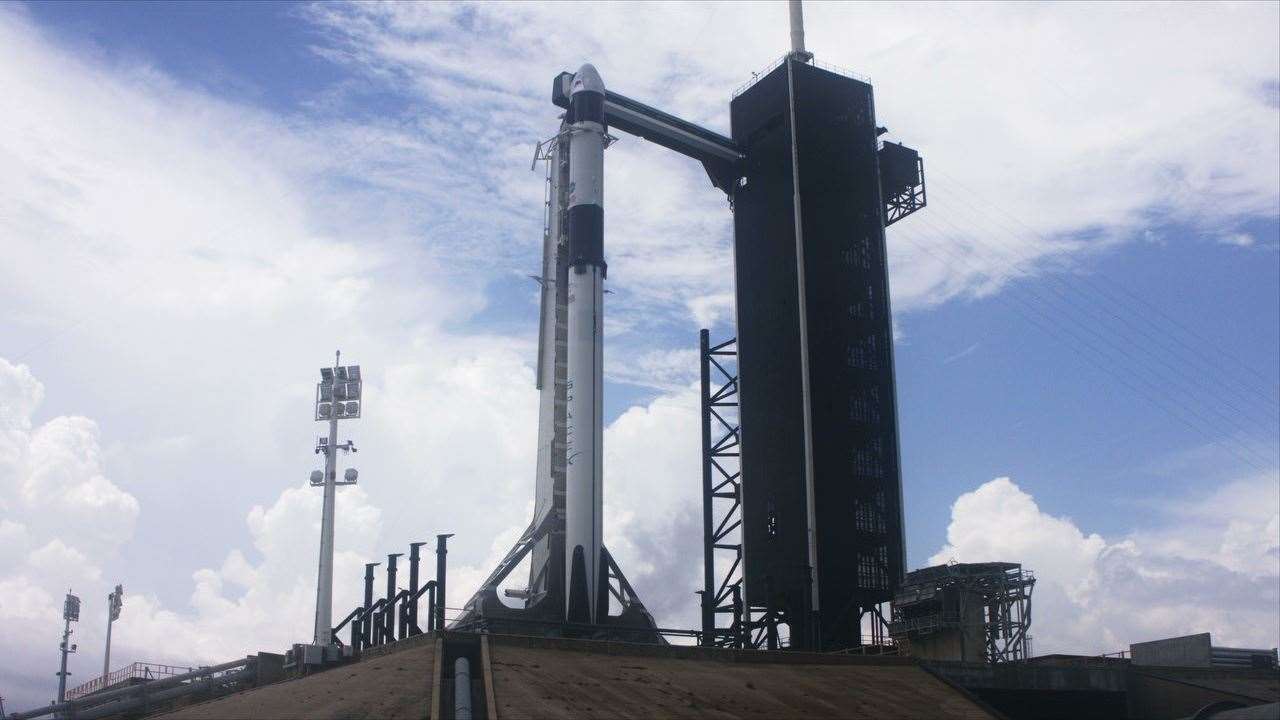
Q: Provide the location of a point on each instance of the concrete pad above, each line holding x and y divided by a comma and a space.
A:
540, 680
390, 685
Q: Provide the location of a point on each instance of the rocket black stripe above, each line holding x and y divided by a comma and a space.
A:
586, 107
586, 235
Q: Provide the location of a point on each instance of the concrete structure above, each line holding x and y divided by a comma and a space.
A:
1198, 651
524, 677
965, 612
1072, 687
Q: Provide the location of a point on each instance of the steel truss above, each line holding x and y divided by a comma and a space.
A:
484, 612
727, 621
911, 199
721, 485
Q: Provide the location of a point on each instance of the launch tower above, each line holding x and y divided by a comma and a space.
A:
818, 500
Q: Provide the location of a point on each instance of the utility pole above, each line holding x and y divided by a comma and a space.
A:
70, 614
338, 397
114, 603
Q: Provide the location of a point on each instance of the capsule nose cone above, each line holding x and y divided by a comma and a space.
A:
587, 79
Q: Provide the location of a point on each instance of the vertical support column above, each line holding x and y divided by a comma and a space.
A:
708, 529
414, 559
809, 635
721, 482
366, 619
389, 610
442, 550
431, 607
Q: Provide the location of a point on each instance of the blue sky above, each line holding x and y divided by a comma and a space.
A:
202, 200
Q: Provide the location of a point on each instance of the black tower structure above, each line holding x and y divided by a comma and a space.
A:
821, 489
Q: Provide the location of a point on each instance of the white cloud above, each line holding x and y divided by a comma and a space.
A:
177, 264
1089, 139
653, 503
74, 519
1238, 239
668, 370
1207, 564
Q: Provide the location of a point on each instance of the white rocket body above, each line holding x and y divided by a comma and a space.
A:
585, 597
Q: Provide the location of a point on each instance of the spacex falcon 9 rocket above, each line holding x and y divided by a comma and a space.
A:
586, 577
571, 576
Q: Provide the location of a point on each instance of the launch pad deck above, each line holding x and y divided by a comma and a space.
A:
535, 677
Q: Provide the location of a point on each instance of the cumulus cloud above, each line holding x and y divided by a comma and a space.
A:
61, 515
1209, 563
1091, 127
64, 520
653, 502
179, 263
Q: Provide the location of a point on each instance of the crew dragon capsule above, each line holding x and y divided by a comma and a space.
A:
586, 581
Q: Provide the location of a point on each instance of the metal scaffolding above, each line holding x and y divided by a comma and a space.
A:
721, 492
722, 593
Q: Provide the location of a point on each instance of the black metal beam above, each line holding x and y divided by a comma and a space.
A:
414, 559
442, 550
720, 155
708, 495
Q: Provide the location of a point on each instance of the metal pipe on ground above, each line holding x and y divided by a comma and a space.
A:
462, 689
99, 698
161, 696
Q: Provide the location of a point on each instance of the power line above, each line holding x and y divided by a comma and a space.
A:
1103, 287
1177, 375
1162, 358
1072, 319
1021, 305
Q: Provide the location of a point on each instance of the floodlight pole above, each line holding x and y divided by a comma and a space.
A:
62, 673
114, 602
106, 655
324, 583
65, 647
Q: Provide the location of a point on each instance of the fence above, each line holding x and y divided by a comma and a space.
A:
150, 693
135, 671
